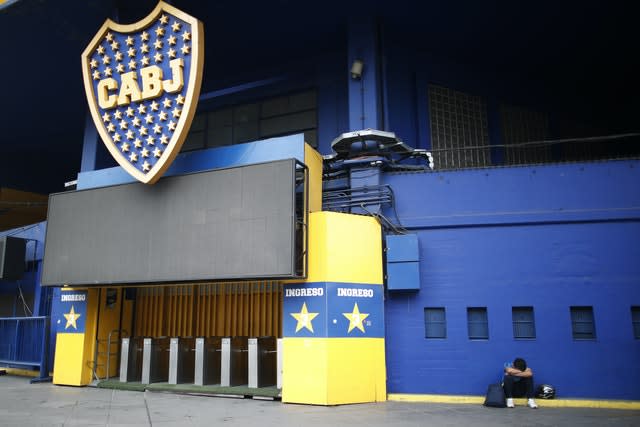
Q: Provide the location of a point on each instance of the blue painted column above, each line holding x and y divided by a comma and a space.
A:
364, 91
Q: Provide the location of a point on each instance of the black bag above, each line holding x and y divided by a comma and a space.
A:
495, 396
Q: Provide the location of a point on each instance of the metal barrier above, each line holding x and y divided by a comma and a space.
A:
131, 359
262, 362
181, 360
207, 361
24, 342
155, 360
234, 363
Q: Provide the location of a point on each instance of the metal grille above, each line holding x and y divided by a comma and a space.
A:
519, 126
523, 322
459, 129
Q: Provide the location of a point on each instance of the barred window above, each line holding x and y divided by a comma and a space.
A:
477, 323
582, 323
435, 322
635, 320
459, 129
523, 322
523, 132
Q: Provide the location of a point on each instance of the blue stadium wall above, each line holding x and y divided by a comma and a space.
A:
547, 237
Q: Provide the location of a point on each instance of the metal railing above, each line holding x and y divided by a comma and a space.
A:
597, 148
24, 343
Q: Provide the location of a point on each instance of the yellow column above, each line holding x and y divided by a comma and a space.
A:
75, 336
333, 323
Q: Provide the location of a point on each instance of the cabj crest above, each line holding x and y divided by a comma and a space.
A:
142, 82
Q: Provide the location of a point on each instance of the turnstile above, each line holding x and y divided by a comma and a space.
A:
181, 360
131, 359
263, 364
155, 360
207, 360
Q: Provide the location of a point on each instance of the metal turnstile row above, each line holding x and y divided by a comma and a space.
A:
227, 361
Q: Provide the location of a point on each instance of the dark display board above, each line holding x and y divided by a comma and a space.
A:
236, 223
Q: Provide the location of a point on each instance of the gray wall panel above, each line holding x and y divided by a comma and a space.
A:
226, 224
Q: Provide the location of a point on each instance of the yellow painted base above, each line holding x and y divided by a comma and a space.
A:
543, 403
68, 368
333, 371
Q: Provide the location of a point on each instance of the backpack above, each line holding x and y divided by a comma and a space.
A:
495, 396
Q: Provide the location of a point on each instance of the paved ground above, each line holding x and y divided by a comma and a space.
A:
24, 404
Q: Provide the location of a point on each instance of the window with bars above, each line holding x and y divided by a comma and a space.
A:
459, 129
284, 115
477, 323
524, 325
523, 132
435, 322
635, 320
582, 323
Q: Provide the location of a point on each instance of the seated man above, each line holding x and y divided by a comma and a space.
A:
518, 382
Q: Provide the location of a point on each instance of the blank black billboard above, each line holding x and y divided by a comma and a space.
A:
236, 223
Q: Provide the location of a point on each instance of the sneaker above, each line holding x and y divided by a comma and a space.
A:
532, 404
510, 403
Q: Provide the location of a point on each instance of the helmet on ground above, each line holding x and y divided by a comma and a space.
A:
545, 391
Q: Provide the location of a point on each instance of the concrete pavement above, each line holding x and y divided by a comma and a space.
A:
24, 404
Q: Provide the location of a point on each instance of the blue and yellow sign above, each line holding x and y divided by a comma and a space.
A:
142, 82
333, 310
73, 309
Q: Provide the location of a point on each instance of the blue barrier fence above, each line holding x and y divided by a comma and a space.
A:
24, 343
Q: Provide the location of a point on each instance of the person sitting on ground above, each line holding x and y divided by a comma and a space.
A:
518, 382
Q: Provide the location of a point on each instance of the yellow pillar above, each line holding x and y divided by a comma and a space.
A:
333, 325
75, 336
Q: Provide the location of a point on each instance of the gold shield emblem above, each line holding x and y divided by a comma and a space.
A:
142, 82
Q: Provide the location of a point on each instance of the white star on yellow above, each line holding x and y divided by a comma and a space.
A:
304, 318
355, 318
71, 317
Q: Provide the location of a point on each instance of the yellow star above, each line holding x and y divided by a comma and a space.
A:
157, 44
146, 166
154, 106
106, 117
106, 60
164, 139
133, 157
71, 317
166, 103
96, 75
125, 147
137, 143
144, 152
304, 318
93, 63
101, 50
123, 125
115, 45
175, 27
144, 36
157, 152
108, 72
176, 112
171, 53
144, 48
142, 109
129, 112
120, 68
111, 127
159, 32
118, 56
109, 37
164, 19
355, 318
132, 65
157, 57
144, 61
172, 40
162, 115
150, 140
186, 36
172, 125
157, 129
117, 114
185, 49
180, 99
136, 122
130, 134
143, 131
131, 52
130, 41
149, 118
